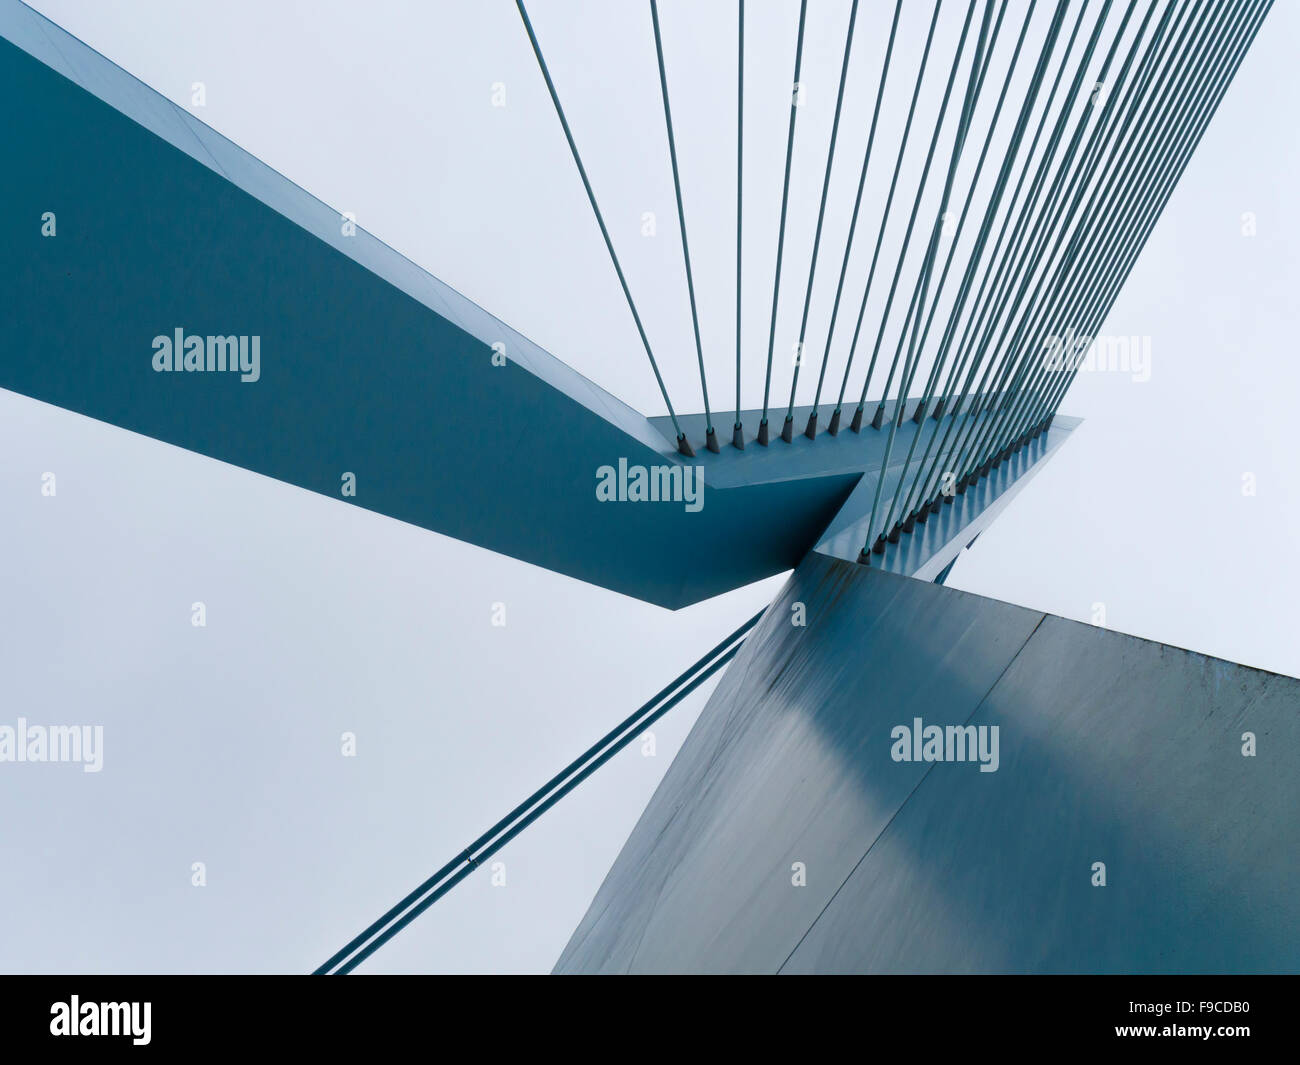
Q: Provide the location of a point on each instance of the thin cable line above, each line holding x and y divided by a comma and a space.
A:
1138, 89
947, 401
787, 430
834, 426
1040, 253
907, 238
416, 902
922, 277
1190, 142
1087, 288
738, 431
785, 201
997, 277
978, 248
682, 444
1017, 359
959, 142
898, 493
711, 438
889, 201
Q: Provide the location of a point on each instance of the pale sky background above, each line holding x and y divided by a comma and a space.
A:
222, 744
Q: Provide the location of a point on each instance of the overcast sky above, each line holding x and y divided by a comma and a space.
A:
222, 745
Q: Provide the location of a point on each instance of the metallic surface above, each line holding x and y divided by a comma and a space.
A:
369, 366
1113, 749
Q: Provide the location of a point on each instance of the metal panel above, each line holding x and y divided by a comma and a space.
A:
1112, 749
776, 768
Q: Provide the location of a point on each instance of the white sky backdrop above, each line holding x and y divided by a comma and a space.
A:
222, 744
